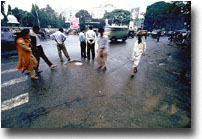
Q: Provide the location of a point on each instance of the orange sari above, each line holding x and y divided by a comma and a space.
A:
26, 60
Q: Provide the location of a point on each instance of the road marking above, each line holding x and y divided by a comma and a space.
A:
13, 81
8, 71
14, 102
8, 63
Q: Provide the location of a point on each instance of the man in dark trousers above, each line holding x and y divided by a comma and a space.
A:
82, 39
60, 38
158, 35
38, 50
91, 37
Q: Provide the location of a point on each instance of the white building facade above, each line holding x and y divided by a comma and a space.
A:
98, 12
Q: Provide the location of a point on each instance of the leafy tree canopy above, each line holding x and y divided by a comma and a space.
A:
43, 17
164, 15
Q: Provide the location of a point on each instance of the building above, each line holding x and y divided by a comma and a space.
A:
99, 11
69, 14
12, 19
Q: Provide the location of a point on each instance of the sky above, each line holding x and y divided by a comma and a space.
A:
78, 4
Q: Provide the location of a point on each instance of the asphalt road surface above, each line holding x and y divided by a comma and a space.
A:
77, 95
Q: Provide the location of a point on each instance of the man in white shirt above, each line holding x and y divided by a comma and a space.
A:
91, 37
60, 38
102, 49
138, 50
37, 49
82, 39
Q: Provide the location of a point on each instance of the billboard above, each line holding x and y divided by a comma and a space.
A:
135, 13
74, 23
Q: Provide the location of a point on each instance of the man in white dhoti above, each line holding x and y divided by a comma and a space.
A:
139, 49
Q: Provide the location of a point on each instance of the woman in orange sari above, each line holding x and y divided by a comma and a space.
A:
26, 59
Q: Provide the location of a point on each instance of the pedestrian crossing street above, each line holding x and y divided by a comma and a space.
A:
14, 102
17, 100
13, 81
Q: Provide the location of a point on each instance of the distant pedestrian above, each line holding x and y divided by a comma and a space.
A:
60, 38
82, 39
26, 59
139, 49
102, 49
91, 38
38, 50
158, 35
171, 38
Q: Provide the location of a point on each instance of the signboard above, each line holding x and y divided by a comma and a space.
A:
138, 22
74, 23
135, 13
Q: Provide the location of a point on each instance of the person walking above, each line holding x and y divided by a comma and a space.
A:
60, 38
26, 61
82, 39
139, 49
171, 38
91, 37
102, 49
38, 50
158, 35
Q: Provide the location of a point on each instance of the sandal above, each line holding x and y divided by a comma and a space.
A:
135, 70
39, 71
132, 75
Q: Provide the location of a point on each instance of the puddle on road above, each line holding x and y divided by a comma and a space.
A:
78, 63
162, 64
74, 62
150, 63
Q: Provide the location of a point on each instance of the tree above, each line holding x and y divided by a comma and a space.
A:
185, 9
83, 15
9, 10
49, 10
46, 16
19, 14
34, 12
163, 15
118, 16
27, 20
2, 7
4, 20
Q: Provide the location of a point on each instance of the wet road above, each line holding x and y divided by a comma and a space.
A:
79, 96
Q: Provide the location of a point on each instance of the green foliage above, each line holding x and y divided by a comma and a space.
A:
83, 15
164, 15
9, 10
118, 16
185, 8
47, 16
2, 7
28, 19
4, 20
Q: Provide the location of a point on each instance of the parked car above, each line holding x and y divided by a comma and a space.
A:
155, 33
148, 33
163, 33
116, 32
7, 41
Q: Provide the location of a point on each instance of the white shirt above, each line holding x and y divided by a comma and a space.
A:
38, 43
58, 36
90, 35
103, 42
139, 49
